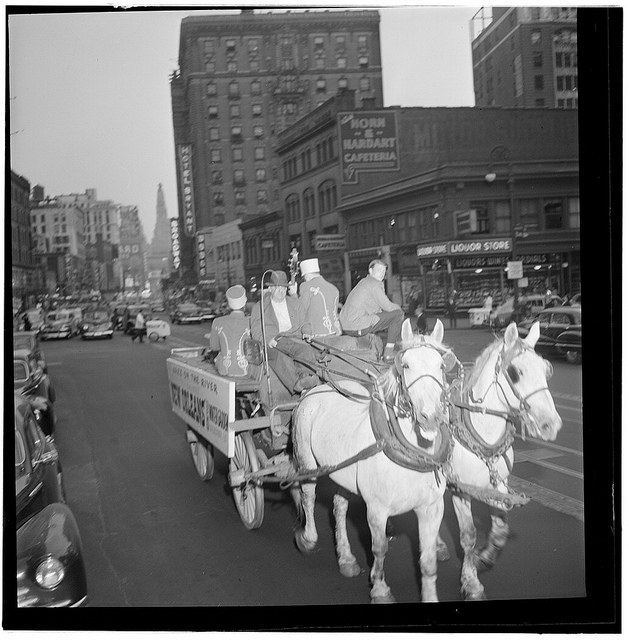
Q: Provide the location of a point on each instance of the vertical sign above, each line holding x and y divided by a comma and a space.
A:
185, 164
201, 253
174, 242
369, 142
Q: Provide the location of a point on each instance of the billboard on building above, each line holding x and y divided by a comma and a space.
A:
185, 167
369, 142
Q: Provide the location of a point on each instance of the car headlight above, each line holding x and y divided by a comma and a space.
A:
50, 573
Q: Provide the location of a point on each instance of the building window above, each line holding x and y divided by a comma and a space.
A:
553, 213
217, 177
234, 111
262, 195
574, 212
321, 84
232, 67
540, 102
363, 62
343, 83
318, 42
256, 110
258, 131
212, 111
365, 84
234, 89
256, 88
560, 102
327, 196
208, 47
236, 131
503, 217
293, 213
536, 36
538, 82
309, 203
252, 46
215, 155
230, 45
319, 63
237, 154
538, 59
211, 89
210, 66
305, 160
239, 176
261, 175
218, 197
240, 197
254, 65
214, 133
340, 42
529, 215
341, 62
362, 42
259, 153
482, 216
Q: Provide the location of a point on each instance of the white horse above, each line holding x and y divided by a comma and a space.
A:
330, 428
507, 386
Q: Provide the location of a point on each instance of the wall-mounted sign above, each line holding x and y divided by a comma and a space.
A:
369, 142
185, 167
174, 242
465, 247
201, 253
330, 242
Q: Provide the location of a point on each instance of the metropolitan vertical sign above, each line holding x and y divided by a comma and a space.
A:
185, 166
369, 142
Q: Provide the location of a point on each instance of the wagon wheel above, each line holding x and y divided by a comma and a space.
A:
202, 457
249, 498
153, 336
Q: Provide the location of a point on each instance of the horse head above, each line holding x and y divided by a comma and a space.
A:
526, 373
420, 366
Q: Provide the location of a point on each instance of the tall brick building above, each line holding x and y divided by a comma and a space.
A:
244, 78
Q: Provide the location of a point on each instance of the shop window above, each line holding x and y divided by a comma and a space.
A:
553, 213
574, 213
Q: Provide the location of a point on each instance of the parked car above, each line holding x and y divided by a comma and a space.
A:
575, 300
560, 332
50, 566
35, 317
61, 323
130, 313
97, 324
30, 340
187, 312
534, 303
31, 381
207, 311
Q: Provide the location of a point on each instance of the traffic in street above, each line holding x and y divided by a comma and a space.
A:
155, 535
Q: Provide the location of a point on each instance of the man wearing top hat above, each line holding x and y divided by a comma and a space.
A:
319, 300
229, 333
283, 320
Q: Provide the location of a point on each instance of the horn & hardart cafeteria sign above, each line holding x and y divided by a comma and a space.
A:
369, 142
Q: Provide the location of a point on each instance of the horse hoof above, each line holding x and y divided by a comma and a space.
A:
305, 546
386, 599
349, 569
474, 596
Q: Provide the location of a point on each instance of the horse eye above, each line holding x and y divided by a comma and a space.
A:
513, 373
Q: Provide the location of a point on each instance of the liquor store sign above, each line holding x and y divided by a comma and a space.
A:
369, 142
464, 248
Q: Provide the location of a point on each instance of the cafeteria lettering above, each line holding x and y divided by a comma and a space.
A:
381, 156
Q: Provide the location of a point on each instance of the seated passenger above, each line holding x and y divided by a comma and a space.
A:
229, 333
368, 310
282, 322
319, 301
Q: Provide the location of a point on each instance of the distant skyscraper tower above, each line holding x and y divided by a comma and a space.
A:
159, 257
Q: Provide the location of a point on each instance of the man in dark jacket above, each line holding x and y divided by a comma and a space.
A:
419, 321
283, 320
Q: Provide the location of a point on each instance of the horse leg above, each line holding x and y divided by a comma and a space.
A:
471, 588
377, 519
498, 536
346, 559
429, 520
443, 553
306, 537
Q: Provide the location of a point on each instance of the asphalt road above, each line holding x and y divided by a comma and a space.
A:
155, 535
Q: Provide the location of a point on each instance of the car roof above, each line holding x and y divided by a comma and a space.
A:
21, 354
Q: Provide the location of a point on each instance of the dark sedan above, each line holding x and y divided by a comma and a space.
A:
97, 324
30, 380
50, 566
30, 340
187, 313
560, 332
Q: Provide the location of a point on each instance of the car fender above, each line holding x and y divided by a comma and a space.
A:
569, 338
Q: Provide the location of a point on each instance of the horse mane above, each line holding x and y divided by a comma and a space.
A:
389, 380
480, 362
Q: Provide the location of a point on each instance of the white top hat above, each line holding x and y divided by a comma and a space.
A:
236, 297
309, 266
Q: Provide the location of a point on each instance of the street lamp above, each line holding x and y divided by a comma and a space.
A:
500, 154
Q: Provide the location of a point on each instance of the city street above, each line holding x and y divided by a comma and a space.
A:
155, 535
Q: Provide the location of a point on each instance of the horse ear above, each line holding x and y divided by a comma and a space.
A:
407, 331
437, 332
511, 334
533, 335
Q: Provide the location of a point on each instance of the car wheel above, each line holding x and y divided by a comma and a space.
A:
573, 356
153, 337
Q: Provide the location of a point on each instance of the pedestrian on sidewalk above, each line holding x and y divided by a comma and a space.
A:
450, 309
140, 328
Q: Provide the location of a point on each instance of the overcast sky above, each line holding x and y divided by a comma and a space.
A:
89, 93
